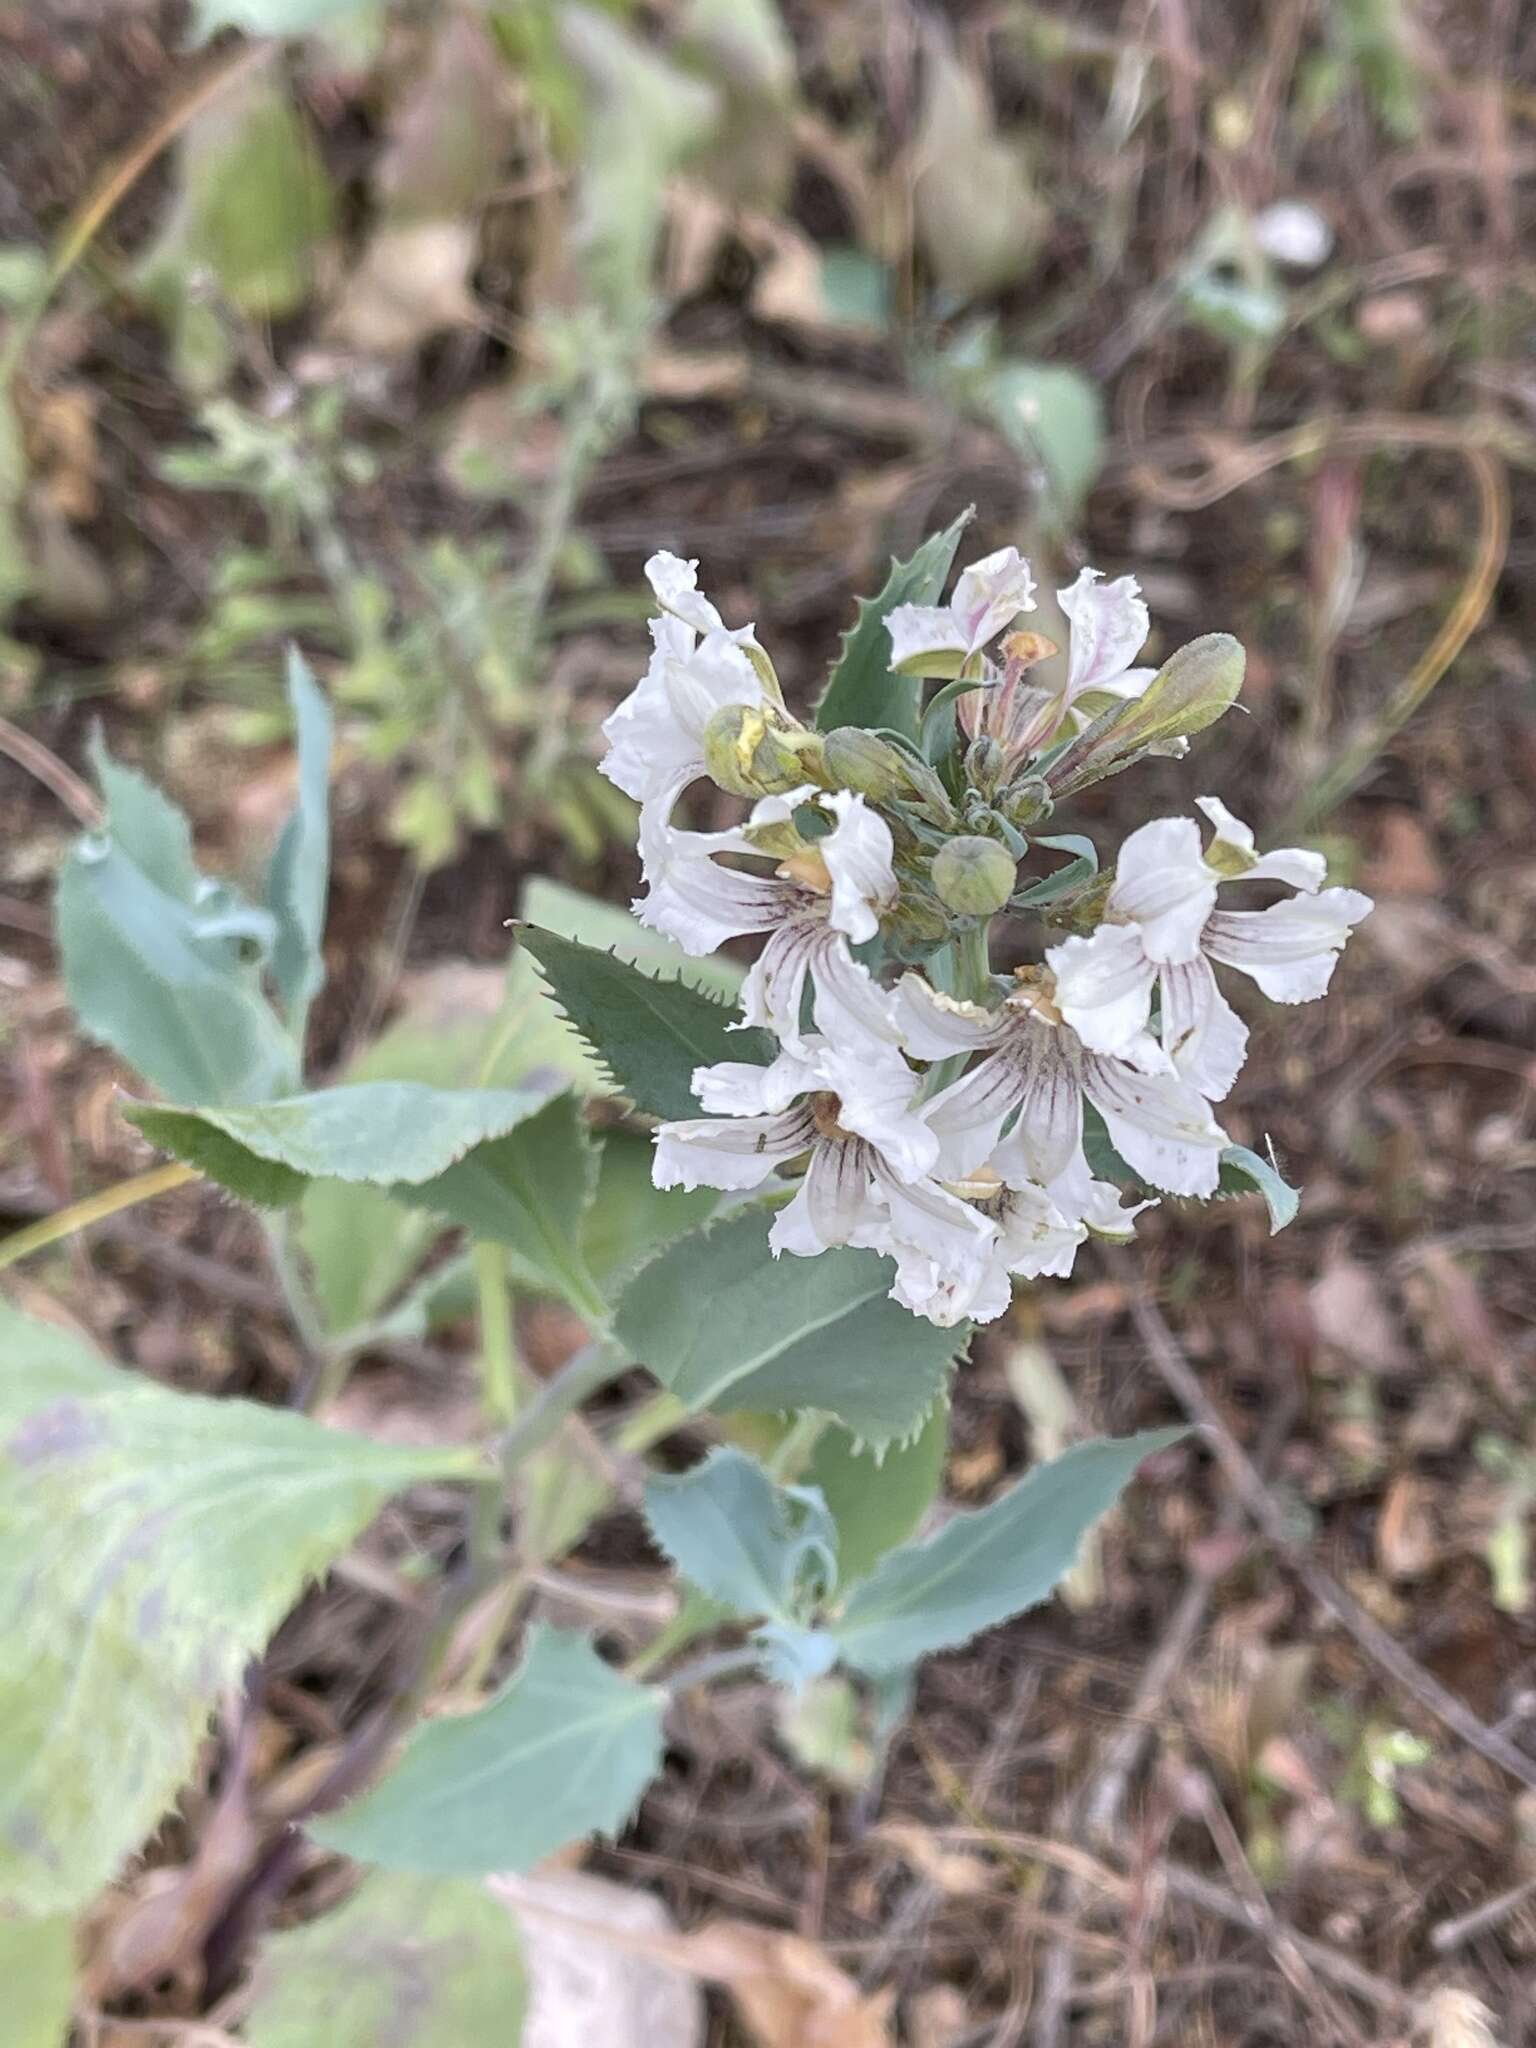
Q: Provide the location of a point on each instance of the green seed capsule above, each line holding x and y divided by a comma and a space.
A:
973, 876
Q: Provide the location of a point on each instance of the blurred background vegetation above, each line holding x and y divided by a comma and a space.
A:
408, 331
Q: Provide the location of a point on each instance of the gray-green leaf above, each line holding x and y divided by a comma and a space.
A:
301, 863
1243, 1171
649, 1033
877, 1499
381, 1132
150, 1542
725, 1325
417, 1962
564, 1751
981, 1568
756, 1547
861, 689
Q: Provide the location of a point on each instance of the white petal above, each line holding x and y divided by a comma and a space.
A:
990, 594
1037, 1239
648, 751
1109, 627
875, 1089
676, 585
934, 1025
743, 1088
847, 1002
1047, 1138
779, 810
1104, 985
834, 1204
714, 675
772, 996
858, 852
1163, 884
728, 1152
967, 1117
1202, 1034
1289, 949
918, 630
695, 900
942, 1247
1157, 1124
1294, 864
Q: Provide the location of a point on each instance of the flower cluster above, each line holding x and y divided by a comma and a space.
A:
933, 1111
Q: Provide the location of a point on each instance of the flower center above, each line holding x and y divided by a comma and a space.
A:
809, 870
984, 1185
825, 1111
1036, 991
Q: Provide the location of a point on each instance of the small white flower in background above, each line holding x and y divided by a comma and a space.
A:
1109, 624
819, 900
1293, 233
656, 736
1163, 930
989, 595
869, 1178
1035, 1064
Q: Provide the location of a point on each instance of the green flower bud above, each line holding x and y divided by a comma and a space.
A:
973, 876
985, 766
753, 750
1028, 802
862, 762
1192, 689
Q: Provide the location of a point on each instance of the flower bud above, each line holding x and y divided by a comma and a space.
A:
1028, 802
985, 766
753, 750
862, 762
973, 876
1192, 689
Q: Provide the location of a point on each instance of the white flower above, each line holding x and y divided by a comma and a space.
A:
1163, 929
868, 1182
656, 735
1109, 625
817, 902
1037, 1066
988, 596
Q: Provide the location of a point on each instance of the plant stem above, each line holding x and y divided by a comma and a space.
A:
80, 1215
591, 1368
500, 1370
796, 1445
973, 963
716, 1664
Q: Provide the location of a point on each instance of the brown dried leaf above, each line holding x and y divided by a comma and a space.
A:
956, 1875
787, 1992
1352, 1316
1407, 1544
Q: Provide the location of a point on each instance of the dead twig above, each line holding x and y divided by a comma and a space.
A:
1371, 1638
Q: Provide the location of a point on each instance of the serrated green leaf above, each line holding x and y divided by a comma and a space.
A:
150, 1542
725, 1325
740, 1539
162, 964
563, 1751
386, 1133
299, 877
1242, 1171
877, 1499
528, 1191
649, 1033
417, 1962
589, 921
360, 1244
861, 689
37, 1968
981, 1568
630, 1217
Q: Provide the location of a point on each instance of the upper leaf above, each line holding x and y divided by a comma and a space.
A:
301, 863
1242, 1171
418, 1962
382, 1132
861, 689
649, 1033
150, 1542
162, 964
724, 1325
37, 1968
528, 1191
741, 1539
877, 1499
589, 921
564, 1750
983, 1567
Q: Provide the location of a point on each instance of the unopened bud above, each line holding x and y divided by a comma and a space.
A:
753, 750
1192, 689
973, 876
863, 762
985, 766
1028, 802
